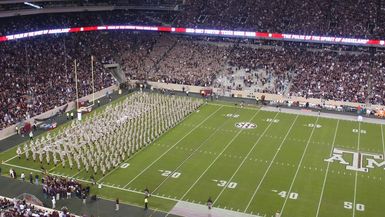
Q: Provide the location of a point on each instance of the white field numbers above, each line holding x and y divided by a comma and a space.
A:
124, 165
223, 183
172, 174
292, 195
361, 131
349, 205
232, 115
314, 125
272, 120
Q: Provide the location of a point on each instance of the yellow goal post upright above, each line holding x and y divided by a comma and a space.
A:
88, 108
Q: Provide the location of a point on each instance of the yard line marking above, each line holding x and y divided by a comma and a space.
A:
212, 163
77, 173
327, 170
271, 163
156, 160
355, 180
13, 157
192, 153
129, 158
244, 159
299, 166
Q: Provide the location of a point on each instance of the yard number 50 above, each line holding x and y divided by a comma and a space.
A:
349, 205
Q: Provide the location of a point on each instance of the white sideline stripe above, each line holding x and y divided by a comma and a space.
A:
106, 198
299, 165
355, 180
271, 163
13, 157
21, 167
86, 181
144, 170
234, 106
244, 159
327, 170
190, 155
212, 163
140, 150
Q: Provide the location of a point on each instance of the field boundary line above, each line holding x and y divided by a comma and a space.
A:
156, 160
212, 163
13, 157
327, 170
192, 153
244, 159
235, 106
129, 158
299, 165
108, 186
86, 181
355, 180
271, 163
21, 167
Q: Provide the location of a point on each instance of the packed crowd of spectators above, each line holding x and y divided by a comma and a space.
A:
337, 18
19, 208
61, 187
38, 73
377, 79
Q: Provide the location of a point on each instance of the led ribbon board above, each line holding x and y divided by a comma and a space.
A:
206, 32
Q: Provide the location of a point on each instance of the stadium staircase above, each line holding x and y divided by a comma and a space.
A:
116, 71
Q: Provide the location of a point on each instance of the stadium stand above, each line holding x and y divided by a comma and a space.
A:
15, 208
38, 72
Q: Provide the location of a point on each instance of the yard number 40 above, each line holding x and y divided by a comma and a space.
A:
292, 195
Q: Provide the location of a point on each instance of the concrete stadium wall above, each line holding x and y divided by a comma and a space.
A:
269, 97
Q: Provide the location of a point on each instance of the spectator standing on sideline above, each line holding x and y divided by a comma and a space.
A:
22, 176
36, 179
31, 178
53, 202
146, 203
117, 204
84, 196
30, 135
209, 203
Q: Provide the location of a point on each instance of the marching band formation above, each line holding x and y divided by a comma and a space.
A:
106, 138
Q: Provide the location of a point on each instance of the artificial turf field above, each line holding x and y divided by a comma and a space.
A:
277, 166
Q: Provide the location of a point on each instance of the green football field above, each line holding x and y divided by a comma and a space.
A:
251, 161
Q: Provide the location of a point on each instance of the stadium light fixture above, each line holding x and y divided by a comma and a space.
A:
33, 5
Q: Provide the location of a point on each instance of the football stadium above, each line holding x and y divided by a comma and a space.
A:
196, 108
